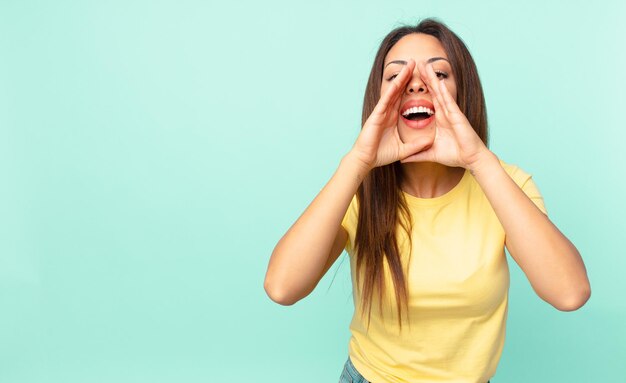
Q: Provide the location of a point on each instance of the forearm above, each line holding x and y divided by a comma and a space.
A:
301, 254
551, 262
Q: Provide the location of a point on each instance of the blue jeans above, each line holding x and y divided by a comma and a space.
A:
351, 375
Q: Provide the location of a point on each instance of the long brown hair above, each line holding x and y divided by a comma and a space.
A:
382, 206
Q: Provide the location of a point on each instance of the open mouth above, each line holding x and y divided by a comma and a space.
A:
417, 113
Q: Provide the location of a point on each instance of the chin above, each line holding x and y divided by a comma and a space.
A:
407, 133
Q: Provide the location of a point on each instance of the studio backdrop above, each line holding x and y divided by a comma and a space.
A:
152, 154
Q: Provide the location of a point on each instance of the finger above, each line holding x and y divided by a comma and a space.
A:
443, 94
433, 83
400, 83
449, 102
425, 155
425, 76
393, 92
396, 105
440, 114
411, 148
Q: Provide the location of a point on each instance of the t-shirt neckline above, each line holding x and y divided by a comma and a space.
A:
442, 199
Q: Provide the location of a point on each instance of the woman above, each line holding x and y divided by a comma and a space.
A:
422, 204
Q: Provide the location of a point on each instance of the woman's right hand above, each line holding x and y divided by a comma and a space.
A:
379, 143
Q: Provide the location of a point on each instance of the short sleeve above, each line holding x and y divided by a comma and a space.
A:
349, 223
527, 184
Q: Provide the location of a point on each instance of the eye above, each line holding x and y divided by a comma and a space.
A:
442, 73
392, 77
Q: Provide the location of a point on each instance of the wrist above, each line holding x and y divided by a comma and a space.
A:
355, 164
485, 160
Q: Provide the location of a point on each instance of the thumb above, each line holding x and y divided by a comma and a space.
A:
411, 148
425, 155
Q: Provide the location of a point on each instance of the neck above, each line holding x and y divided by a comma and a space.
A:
429, 179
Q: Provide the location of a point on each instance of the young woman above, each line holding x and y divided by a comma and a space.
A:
424, 210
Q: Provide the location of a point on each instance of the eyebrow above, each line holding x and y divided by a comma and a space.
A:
430, 60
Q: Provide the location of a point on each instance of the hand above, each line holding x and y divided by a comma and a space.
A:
456, 143
379, 143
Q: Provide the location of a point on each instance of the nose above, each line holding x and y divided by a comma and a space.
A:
416, 85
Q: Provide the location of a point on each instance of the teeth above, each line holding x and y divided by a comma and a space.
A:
418, 109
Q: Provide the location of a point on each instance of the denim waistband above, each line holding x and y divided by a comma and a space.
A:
351, 370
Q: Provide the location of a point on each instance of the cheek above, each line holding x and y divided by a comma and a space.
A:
452, 90
383, 88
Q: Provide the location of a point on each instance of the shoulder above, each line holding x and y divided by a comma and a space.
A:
353, 207
350, 218
517, 174
350, 221
525, 181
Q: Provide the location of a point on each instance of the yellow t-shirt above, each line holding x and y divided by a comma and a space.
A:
458, 281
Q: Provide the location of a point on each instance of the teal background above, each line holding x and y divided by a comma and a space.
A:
152, 153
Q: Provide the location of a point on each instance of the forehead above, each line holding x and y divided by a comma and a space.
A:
418, 46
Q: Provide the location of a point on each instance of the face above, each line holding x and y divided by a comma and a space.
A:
421, 48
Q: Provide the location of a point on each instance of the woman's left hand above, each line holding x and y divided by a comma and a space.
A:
456, 143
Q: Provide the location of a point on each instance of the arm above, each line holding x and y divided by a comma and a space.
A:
549, 260
316, 239
552, 264
310, 246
